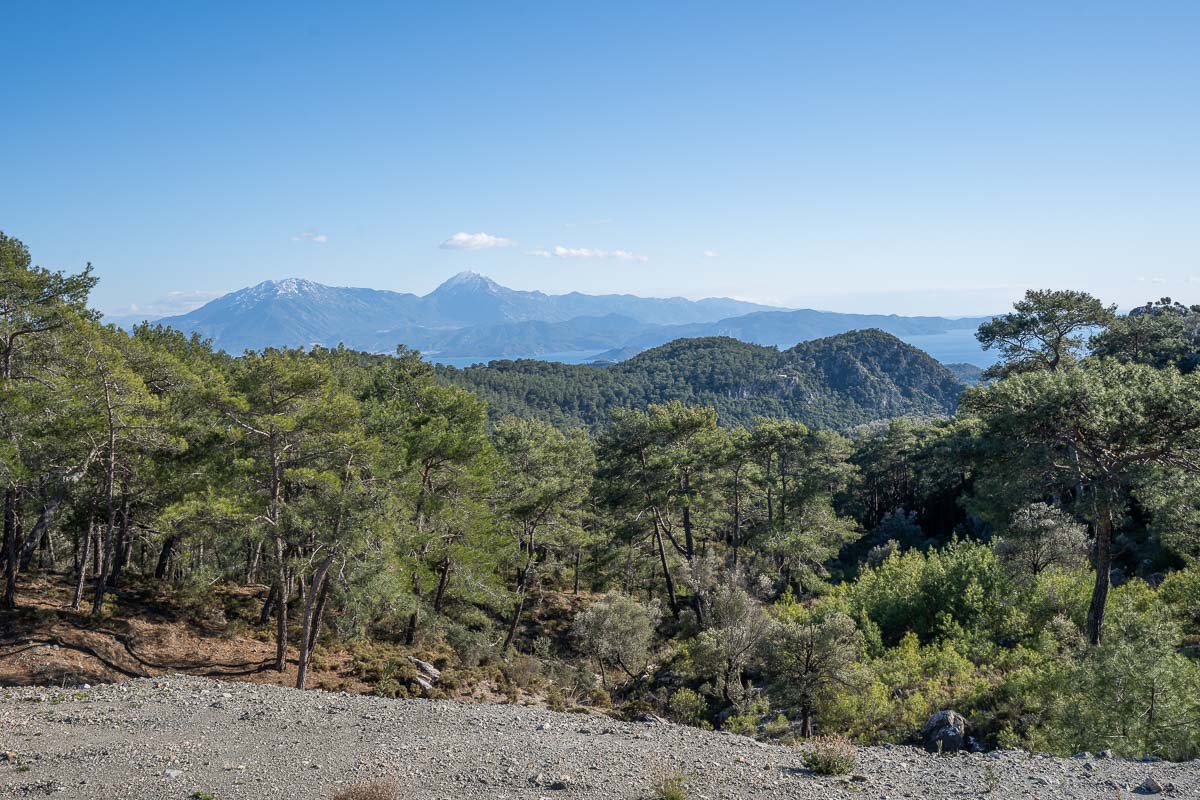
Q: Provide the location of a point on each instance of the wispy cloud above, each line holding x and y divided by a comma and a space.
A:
711, 254
311, 236
178, 302
475, 241
1152, 279
558, 251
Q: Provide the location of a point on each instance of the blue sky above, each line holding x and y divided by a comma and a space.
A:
860, 156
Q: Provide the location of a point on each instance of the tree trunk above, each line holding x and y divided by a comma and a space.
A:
806, 722
439, 596
522, 591
36, 534
318, 617
10, 548
255, 555
662, 554
414, 619
310, 612
95, 549
1095, 620
283, 588
689, 540
123, 545
164, 557
83, 566
102, 577
264, 616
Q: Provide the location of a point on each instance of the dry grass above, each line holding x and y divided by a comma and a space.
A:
377, 790
831, 755
671, 787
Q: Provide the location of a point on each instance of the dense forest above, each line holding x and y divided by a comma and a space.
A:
726, 558
837, 382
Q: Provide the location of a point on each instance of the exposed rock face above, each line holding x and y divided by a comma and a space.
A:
945, 732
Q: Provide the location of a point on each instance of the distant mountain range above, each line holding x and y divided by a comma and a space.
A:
472, 318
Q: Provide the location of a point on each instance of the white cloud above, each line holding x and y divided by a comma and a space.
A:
179, 302
711, 254
558, 251
311, 236
475, 241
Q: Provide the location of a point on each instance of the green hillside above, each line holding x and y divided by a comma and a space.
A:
836, 382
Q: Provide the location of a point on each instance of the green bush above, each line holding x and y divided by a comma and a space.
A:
830, 755
747, 720
688, 708
671, 787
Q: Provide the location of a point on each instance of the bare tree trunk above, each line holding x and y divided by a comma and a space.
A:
522, 590
311, 609
318, 617
283, 582
414, 619
37, 533
102, 577
806, 722
264, 616
10, 548
662, 554
95, 550
1095, 620
254, 559
164, 557
122, 546
83, 566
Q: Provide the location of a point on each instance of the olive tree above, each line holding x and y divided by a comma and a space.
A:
1040, 536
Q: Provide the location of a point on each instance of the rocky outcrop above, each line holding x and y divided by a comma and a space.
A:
945, 732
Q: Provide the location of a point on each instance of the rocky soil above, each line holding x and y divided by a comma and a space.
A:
186, 737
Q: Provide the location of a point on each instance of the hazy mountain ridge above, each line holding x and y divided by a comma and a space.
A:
472, 316
301, 313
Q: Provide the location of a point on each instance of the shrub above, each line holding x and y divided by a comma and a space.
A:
378, 790
618, 631
689, 708
472, 647
522, 671
671, 787
599, 697
1040, 536
830, 755
748, 717
554, 699
635, 710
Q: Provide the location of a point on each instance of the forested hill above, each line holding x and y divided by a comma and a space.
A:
836, 382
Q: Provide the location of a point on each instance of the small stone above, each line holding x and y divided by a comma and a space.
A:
172, 773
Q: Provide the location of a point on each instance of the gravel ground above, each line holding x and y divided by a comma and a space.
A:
184, 737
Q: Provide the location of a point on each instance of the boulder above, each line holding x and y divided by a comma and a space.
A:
431, 672
945, 732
